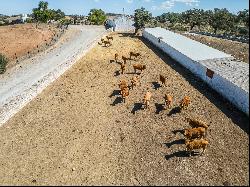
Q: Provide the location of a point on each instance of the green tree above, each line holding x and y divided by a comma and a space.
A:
171, 17
194, 17
222, 19
141, 18
243, 17
43, 13
97, 16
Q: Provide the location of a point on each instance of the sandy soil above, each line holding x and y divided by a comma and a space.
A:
77, 131
239, 50
18, 40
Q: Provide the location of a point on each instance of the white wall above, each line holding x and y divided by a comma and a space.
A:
233, 93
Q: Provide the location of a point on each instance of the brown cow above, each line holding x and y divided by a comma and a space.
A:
195, 133
197, 123
116, 57
122, 68
123, 84
106, 43
110, 37
168, 101
185, 102
134, 82
163, 80
125, 59
139, 67
134, 54
196, 144
125, 93
146, 99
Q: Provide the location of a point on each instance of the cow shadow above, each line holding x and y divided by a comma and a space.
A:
159, 108
175, 142
156, 85
115, 93
137, 107
117, 101
176, 131
175, 110
133, 73
181, 154
117, 73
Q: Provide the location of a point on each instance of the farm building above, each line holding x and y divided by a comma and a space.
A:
219, 70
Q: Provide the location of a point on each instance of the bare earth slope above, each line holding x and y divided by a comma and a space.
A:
23, 38
77, 131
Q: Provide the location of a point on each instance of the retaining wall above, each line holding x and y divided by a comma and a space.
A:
219, 70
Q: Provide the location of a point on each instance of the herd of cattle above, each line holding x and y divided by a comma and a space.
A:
195, 136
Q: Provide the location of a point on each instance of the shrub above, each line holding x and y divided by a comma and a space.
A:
3, 63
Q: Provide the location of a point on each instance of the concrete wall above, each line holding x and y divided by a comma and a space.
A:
236, 95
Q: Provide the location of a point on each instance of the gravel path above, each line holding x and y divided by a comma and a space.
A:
77, 131
22, 83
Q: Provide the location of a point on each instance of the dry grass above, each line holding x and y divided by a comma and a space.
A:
77, 132
18, 40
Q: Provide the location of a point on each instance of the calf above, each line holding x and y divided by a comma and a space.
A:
110, 37
134, 82
196, 144
134, 54
195, 133
122, 68
163, 80
125, 93
125, 59
139, 67
185, 102
168, 101
146, 99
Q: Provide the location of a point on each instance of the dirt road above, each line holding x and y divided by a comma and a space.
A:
21, 83
77, 131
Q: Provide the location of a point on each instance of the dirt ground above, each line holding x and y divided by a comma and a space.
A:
239, 50
17, 40
78, 132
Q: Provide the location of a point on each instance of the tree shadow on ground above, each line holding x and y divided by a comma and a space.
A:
175, 110
175, 142
159, 108
156, 85
137, 107
115, 93
117, 101
238, 117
